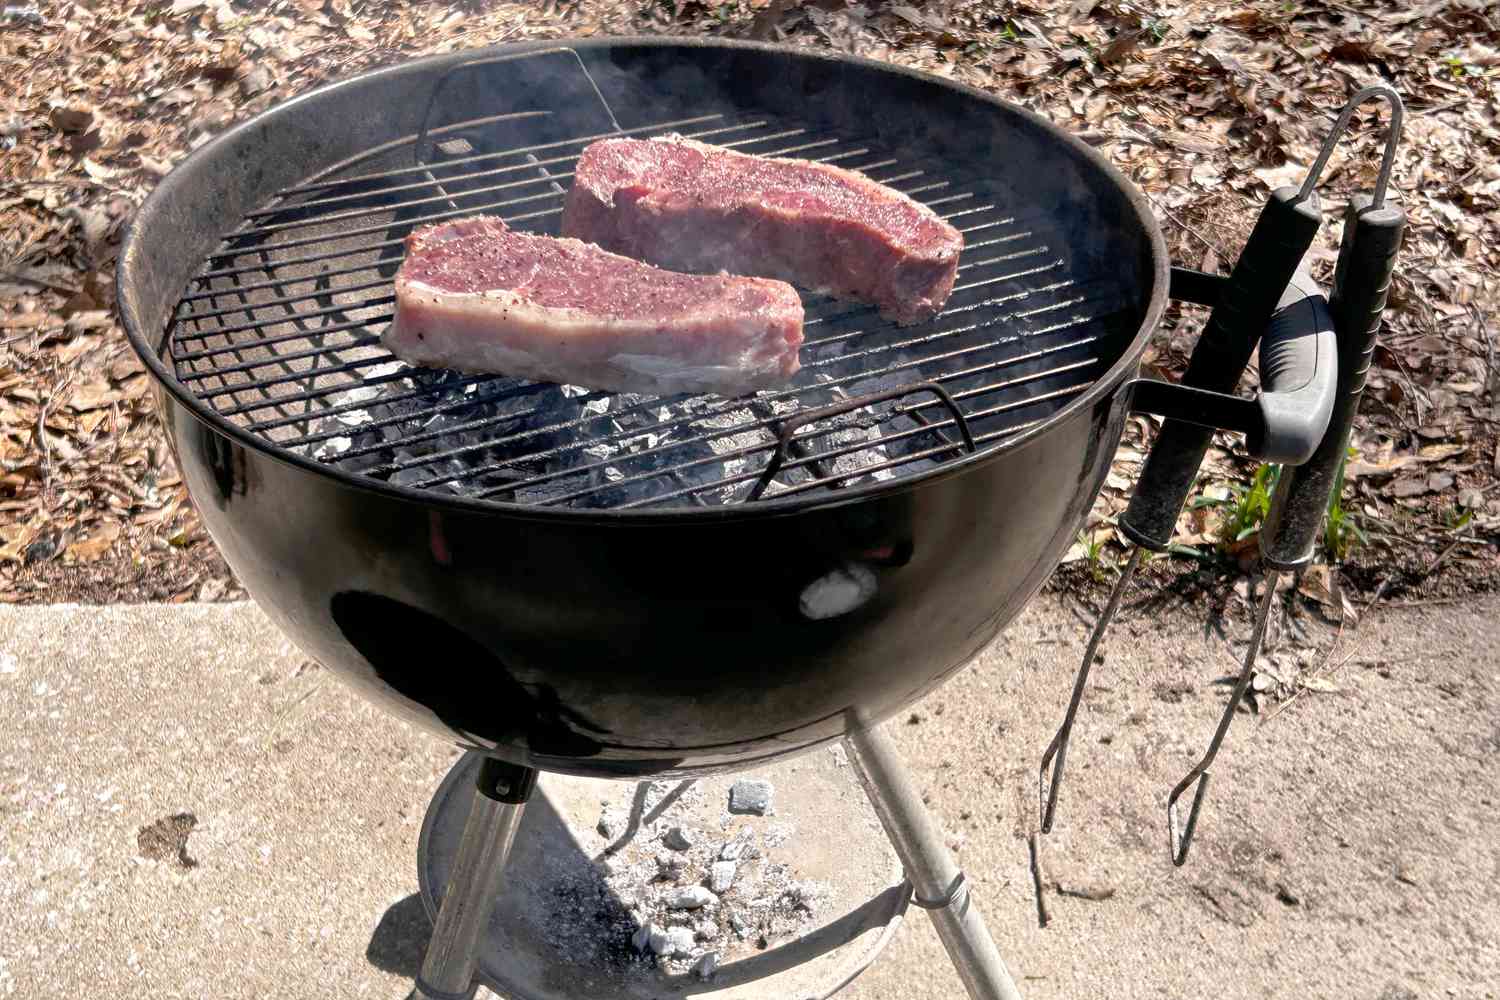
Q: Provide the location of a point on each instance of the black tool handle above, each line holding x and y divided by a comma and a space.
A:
1276, 246
1299, 382
1367, 258
1298, 376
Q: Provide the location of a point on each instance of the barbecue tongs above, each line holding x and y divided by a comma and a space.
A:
1266, 290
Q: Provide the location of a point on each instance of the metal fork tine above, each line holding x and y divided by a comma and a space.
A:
1058, 748
1181, 836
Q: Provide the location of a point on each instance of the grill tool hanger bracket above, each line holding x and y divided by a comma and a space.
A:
1286, 420
1362, 277
1265, 277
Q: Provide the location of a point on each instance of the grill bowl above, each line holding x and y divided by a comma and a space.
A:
674, 634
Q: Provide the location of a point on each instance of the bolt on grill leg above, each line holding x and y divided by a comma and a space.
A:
938, 886
499, 800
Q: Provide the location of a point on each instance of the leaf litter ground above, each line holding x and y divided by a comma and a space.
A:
1205, 105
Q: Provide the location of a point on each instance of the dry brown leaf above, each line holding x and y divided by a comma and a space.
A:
71, 350
1410, 487
765, 26
91, 320
85, 143
71, 120
81, 301
125, 366
1289, 172
1121, 47
97, 171
19, 478
94, 547
89, 422
18, 537
1359, 50
1316, 583
1438, 452
93, 394
155, 167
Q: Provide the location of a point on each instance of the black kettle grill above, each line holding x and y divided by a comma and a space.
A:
612, 585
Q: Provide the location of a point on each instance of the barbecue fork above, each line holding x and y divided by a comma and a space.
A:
1372, 235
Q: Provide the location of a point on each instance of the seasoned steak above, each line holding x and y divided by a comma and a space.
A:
479, 297
690, 206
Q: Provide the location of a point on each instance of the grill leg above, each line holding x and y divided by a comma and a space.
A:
938, 885
499, 799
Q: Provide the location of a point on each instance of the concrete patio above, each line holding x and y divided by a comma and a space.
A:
1350, 847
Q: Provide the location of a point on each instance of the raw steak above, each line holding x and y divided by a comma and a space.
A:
479, 297
689, 206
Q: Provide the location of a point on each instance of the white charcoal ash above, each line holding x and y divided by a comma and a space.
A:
737, 429
779, 834
706, 966
333, 446
805, 895
742, 843
691, 898
721, 876
680, 942
650, 905
643, 442
438, 430
784, 406
852, 462
750, 796
600, 451
733, 467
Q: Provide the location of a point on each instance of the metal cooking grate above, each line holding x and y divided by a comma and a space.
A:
279, 333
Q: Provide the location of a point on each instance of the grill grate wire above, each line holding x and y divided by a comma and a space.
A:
279, 333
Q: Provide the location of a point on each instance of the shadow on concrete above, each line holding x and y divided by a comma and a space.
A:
401, 937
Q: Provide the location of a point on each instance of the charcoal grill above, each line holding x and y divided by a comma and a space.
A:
604, 583
614, 585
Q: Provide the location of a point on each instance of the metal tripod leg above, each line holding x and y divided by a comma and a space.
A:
499, 799
938, 885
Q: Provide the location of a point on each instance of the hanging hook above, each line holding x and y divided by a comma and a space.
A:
1387, 159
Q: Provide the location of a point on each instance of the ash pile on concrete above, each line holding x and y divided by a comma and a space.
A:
685, 896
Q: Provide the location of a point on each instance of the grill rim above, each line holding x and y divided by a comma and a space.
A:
157, 207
